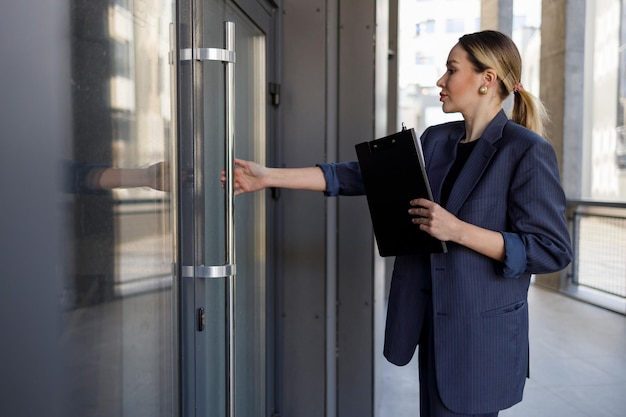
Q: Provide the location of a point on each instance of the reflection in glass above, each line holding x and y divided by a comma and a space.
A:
118, 300
604, 125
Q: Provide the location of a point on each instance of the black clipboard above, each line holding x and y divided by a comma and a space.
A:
393, 173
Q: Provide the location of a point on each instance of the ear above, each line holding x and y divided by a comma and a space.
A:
490, 78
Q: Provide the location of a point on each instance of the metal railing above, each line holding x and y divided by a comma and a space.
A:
599, 243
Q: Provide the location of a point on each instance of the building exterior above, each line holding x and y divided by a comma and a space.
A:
133, 284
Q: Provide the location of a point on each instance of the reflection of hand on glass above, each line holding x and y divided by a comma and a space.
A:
155, 176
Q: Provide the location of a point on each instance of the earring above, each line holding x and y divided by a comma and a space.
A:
482, 90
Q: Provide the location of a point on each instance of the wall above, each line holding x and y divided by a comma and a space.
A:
34, 115
325, 245
497, 15
357, 28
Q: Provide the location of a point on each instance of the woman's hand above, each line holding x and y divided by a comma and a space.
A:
441, 224
435, 220
249, 176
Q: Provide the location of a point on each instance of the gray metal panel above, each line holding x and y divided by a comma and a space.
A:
394, 56
302, 242
34, 115
305, 116
355, 246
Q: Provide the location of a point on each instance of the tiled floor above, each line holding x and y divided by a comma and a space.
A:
577, 364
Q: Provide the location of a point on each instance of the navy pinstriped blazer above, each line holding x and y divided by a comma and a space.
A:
509, 184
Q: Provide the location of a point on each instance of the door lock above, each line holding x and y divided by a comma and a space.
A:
201, 319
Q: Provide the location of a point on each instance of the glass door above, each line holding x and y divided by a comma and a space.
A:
118, 291
222, 113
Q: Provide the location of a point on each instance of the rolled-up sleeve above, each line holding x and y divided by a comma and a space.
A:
342, 178
514, 263
537, 213
79, 177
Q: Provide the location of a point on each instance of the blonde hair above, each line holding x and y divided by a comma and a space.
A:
490, 49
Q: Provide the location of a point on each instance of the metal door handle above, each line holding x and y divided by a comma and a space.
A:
203, 271
207, 54
227, 56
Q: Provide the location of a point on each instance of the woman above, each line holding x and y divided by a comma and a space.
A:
499, 205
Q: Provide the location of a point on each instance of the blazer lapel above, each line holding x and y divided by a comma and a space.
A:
441, 159
470, 175
476, 164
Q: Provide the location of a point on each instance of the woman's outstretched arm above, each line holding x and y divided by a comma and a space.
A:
250, 177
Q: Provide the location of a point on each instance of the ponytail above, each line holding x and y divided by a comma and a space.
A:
529, 111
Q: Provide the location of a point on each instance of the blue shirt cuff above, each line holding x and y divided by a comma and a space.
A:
342, 178
332, 182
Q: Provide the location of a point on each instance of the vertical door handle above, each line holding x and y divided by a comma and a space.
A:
228, 57
229, 35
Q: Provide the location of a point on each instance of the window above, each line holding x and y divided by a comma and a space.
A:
424, 60
455, 25
605, 100
427, 26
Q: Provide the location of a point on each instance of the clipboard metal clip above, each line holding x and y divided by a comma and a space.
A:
403, 126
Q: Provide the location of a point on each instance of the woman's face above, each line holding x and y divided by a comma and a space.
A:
460, 84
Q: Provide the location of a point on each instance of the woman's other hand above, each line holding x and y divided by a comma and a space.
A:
443, 225
434, 219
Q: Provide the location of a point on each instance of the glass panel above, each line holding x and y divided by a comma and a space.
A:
604, 130
209, 113
250, 114
119, 326
527, 37
250, 216
424, 43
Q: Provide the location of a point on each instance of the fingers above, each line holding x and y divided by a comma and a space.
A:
422, 207
422, 212
427, 213
422, 202
242, 162
246, 176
